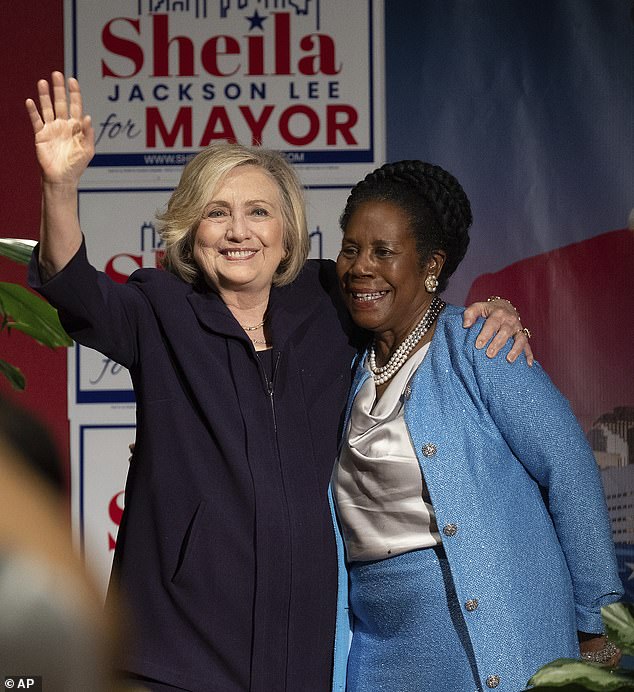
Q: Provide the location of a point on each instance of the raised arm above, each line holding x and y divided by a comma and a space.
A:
64, 146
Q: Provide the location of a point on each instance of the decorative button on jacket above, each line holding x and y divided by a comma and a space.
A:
450, 530
429, 449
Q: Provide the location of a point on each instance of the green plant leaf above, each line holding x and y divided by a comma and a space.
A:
17, 249
12, 374
619, 625
584, 676
32, 315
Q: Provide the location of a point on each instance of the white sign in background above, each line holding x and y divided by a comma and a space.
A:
162, 79
100, 466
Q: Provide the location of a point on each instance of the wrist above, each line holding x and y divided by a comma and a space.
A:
597, 648
603, 655
587, 636
60, 189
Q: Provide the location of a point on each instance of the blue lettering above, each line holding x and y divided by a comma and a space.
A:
161, 92
233, 91
183, 92
136, 94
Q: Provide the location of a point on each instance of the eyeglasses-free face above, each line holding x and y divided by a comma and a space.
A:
239, 241
379, 271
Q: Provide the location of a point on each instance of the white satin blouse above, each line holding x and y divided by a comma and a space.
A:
377, 482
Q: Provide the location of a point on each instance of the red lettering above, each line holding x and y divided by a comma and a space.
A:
211, 50
182, 122
333, 126
115, 511
162, 44
324, 61
218, 116
298, 125
313, 125
121, 46
220, 55
119, 277
256, 125
282, 43
255, 51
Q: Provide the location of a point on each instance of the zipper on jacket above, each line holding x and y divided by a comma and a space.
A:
270, 390
269, 385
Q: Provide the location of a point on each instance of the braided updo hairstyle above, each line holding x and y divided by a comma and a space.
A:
434, 201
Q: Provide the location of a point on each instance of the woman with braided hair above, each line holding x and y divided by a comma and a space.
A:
469, 509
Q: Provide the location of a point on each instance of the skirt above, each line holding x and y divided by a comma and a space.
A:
409, 632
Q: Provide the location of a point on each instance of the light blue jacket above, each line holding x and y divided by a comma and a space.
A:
519, 503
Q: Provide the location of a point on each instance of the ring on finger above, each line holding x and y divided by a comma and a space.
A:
523, 330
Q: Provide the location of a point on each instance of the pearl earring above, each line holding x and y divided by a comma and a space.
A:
431, 283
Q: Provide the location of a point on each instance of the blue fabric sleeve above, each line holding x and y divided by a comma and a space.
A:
541, 430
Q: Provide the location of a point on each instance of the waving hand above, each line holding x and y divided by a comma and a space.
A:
64, 137
64, 145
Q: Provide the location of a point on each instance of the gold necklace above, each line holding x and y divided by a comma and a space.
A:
254, 327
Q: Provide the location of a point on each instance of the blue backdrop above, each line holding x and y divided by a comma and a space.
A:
529, 104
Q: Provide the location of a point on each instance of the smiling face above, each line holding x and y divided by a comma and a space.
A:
239, 242
380, 272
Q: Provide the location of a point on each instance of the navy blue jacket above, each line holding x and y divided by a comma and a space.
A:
225, 554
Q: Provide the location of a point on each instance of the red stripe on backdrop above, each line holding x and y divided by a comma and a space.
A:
32, 38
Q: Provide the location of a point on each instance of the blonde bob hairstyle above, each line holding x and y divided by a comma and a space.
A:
200, 177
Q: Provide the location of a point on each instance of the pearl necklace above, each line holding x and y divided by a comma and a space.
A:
384, 373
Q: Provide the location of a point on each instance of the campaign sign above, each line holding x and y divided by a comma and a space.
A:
163, 79
101, 461
121, 237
